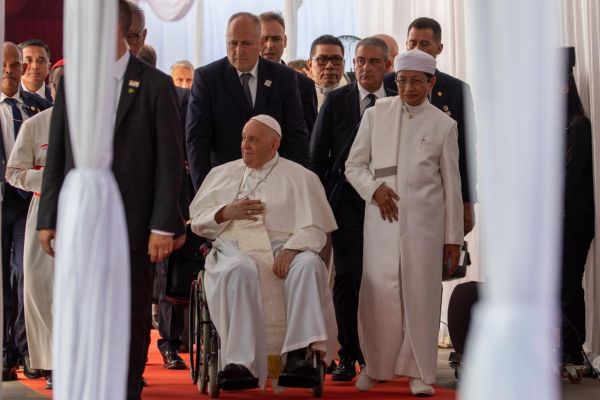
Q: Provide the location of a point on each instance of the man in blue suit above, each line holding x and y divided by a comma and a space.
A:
15, 106
36, 55
228, 92
452, 96
330, 144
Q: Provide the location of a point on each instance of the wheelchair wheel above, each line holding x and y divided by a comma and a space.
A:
203, 337
193, 343
318, 389
213, 372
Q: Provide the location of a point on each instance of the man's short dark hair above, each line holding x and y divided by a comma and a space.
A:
427, 23
244, 14
35, 42
273, 16
374, 42
124, 16
137, 10
325, 40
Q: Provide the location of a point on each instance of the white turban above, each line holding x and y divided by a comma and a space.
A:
415, 60
268, 121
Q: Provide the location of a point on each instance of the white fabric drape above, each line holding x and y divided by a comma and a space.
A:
513, 332
581, 29
290, 15
1, 199
92, 282
169, 10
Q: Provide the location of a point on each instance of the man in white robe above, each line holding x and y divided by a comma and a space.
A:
265, 283
404, 164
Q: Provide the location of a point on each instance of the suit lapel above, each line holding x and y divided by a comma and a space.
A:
263, 84
234, 86
353, 103
31, 108
439, 91
132, 80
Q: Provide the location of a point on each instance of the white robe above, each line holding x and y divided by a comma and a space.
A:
297, 216
24, 171
414, 150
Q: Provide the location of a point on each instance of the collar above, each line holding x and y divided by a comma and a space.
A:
121, 65
253, 71
363, 93
17, 97
416, 109
264, 169
322, 89
40, 92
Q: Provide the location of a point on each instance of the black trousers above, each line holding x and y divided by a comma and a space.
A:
142, 280
171, 315
578, 234
348, 253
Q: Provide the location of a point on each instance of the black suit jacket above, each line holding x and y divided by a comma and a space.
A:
337, 121
147, 158
453, 96
308, 97
218, 111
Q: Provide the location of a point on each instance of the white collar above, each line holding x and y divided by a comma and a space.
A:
121, 65
379, 93
17, 97
41, 91
253, 71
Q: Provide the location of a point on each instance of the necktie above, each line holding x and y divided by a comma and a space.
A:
372, 99
245, 79
17, 116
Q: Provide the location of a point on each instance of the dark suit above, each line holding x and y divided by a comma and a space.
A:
453, 96
14, 216
147, 164
47, 92
218, 111
336, 123
308, 97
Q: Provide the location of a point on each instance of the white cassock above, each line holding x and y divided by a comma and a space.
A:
414, 150
24, 171
257, 314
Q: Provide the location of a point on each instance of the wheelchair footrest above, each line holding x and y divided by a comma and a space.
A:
237, 384
298, 380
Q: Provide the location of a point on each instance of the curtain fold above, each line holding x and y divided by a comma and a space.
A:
520, 192
169, 10
2, 24
92, 268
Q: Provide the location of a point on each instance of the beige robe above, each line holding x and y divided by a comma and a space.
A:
24, 171
414, 150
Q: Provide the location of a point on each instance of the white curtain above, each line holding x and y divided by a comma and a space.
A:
514, 328
581, 29
1, 200
92, 282
169, 10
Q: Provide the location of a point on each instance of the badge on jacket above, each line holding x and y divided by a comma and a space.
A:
446, 109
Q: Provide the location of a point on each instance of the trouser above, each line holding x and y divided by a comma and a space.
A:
348, 254
171, 315
578, 235
142, 277
14, 219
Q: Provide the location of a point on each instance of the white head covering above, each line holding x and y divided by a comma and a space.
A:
415, 60
268, 121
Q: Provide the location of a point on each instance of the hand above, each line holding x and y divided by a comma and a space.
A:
240, 209
452, 251
159, 246
178, 242
469, 217
386, 199
46, 236
283, 261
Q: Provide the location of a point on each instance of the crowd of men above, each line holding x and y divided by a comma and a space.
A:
278, 165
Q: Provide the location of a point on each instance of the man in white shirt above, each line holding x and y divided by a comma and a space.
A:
264, 275
36, 55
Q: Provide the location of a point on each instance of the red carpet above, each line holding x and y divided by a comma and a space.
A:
175, 385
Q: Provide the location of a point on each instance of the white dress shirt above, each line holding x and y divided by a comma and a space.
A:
6, 119
364, 100
40, 92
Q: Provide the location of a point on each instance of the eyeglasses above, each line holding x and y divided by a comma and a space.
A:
323, 60
412, 81
361, 61
132, 38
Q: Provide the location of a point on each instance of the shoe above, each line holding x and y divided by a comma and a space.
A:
345, 371
172, 360
365, 382
9, 373
143, 382
420, 388
28, 371
236, 377
331, 367
49, 380
298, 371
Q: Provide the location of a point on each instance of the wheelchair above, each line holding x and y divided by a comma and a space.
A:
204, 345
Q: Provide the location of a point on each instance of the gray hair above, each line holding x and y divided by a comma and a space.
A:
374, 42
182, 64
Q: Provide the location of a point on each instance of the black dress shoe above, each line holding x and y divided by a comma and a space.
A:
143, 382
236, 377
345, 372
28, 371
49, 381
9, 373
298, 371
171, 360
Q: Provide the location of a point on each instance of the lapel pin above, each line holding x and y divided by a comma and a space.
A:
131, 90
134, 84
32, 108
440, 94
268, 83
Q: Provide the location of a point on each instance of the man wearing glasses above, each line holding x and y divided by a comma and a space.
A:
404, 164
326, 66
136, 35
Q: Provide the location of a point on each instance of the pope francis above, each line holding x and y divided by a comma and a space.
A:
265, 283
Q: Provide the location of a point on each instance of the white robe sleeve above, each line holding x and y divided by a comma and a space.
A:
203, 210
310, 238
20, 171
357, 164
454, 233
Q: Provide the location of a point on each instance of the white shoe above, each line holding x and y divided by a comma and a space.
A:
420, 388
365, 382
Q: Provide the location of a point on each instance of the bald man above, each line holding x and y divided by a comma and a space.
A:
392, 46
